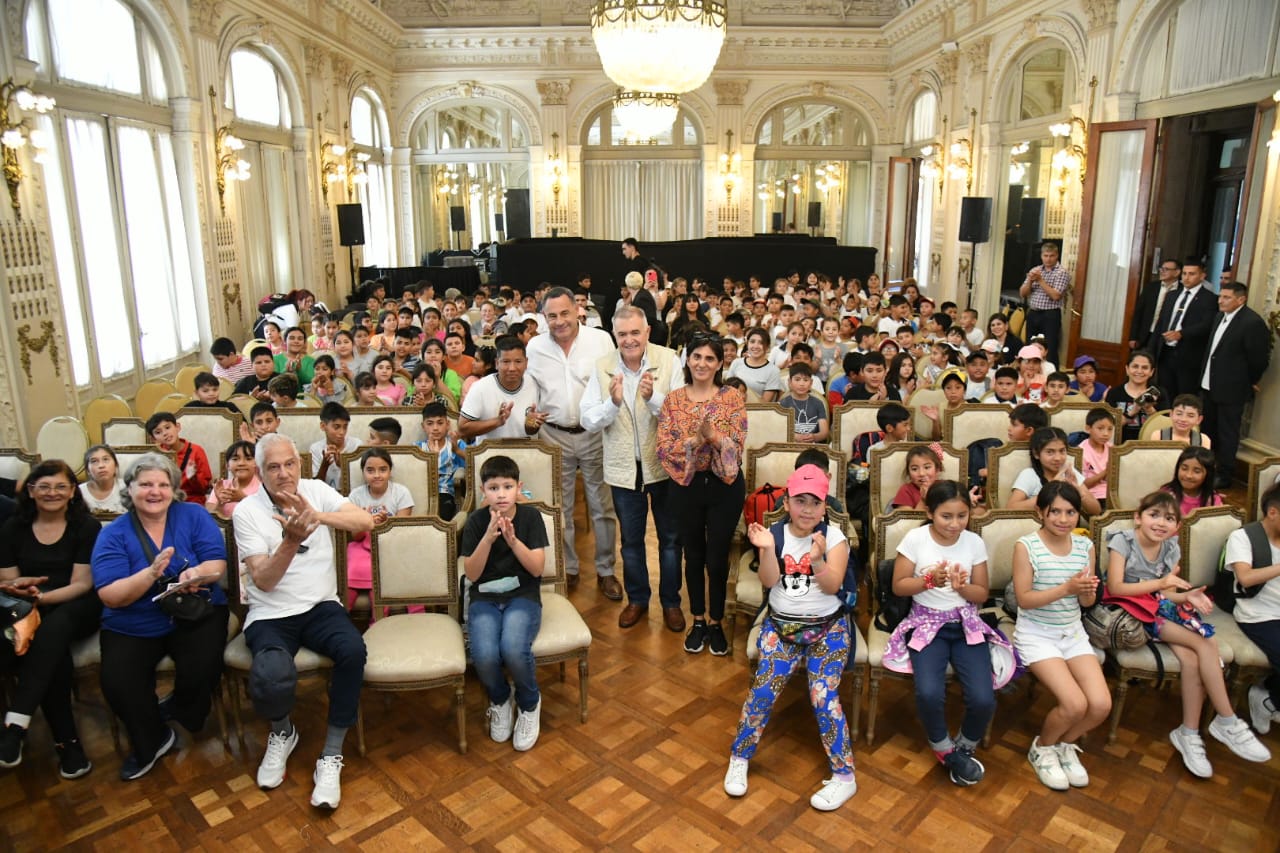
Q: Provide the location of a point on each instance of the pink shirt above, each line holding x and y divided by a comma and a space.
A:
1095, 461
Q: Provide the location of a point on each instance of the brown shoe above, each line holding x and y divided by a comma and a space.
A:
631, 614
571, 581
610, 587
673, 618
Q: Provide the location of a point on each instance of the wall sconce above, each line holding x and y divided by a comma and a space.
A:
16, 131
333, 166
929, 165
555, 170
228, 164
1017, 168
1072, 157
961, 163
446, 181
730, 167
828, 177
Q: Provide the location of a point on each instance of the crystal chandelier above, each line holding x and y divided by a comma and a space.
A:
666, 46
645, 115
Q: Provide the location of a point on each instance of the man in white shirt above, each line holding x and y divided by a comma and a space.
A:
502, 404
621, 401
560, 363
284, 535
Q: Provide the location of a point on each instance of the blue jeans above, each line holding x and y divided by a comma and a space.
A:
501, 635
972, 665
632, 507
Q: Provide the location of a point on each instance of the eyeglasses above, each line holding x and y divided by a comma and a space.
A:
698, 339
50, 489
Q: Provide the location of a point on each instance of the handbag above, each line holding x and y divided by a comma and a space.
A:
187, 606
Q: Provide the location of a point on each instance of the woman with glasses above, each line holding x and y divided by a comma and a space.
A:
161, 542
44, 555
701, 432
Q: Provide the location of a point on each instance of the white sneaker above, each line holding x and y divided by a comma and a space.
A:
1045, 761
1261, 709
279, 748
1240, 739
1076, 775
500, 720
735, 778
833, 794
1191, 746
328, 779
528, 724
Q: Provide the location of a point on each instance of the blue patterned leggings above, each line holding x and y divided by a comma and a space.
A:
824, 660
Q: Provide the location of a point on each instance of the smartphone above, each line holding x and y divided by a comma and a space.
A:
650, 276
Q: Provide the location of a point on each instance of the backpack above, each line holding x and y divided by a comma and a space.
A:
1226, 589
891, 608
1110, 626
761, 501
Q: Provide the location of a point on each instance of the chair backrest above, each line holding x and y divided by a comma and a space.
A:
303, 426
251, 345
553, 577
921, 423
539, 464
416, 470
1202, 537
126, 454
1151, 426
123, 431
103, 409
1006, 462
172, 402
972, 421
1069, 415
149, 395
65, 438
185, 379
1135, 469
16, 463
212, 429
1102, 528
887, 464
243, 402
774, 462
768, 422
1263, 474
414, 563
889, 529
851, 420
1000, 529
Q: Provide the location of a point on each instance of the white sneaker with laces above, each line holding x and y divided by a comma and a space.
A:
528, 724
501, 720
1045, 761
328, 781
735, 778
1261, 710
833, 794
1240, 739
279, 748
1076, 775
1191, 747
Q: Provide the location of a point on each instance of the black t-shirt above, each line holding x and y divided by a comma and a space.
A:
19, 547
251, 383
502, 562
219, 404
1133, 415
860, 392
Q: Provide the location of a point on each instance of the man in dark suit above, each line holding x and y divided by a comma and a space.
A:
1182, 333
1235, 358
1151, 302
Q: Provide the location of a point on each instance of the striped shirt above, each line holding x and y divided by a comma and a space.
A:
1049, 570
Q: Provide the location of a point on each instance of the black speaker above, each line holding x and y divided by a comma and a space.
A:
815, 214
498, 222
975, 219
1031, 220
350, 225
458, 218
776, 224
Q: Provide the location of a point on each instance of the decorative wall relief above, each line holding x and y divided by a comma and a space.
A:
28, 345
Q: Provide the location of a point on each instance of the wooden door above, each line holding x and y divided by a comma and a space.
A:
1113, 225
900, 222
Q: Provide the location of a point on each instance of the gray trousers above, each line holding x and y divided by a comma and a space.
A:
585, 452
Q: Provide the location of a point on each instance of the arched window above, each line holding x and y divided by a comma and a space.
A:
648, 189
267, 209
119, 236
369, 135
922, 128
814, 152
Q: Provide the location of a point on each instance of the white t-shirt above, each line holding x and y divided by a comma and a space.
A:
311, 578
395, 498
921, 548
890, 326
113, 503
334, 475
759, 379
1265, 606
1028, 482
562, 378
487, 396
796, 593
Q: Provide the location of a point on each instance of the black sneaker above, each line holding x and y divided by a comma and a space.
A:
11, 741
696, 640
716, 641
134, 768
965, 770
72, 762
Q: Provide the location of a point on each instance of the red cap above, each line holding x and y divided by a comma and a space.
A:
809, 480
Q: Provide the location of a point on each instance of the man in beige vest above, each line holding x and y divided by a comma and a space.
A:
622, 400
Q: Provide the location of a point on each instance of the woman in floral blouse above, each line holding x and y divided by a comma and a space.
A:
701, 432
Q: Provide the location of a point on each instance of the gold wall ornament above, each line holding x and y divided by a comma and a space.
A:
27, 345
16, 131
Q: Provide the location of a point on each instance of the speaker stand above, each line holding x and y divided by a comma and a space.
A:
351, 254
973, 259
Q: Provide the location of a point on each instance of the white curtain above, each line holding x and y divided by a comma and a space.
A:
1217, 42
265, 218
1115, 208
651, 200
379, 242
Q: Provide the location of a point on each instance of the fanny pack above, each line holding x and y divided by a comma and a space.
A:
187, 606
804, 631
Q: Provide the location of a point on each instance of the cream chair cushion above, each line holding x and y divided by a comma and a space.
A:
563, 629
124, 431
414, 647
768, 422
1142, 661
1244, 652
63, 438
212, 429
749, 592
973, 422
1138, 469
1000, 531
851, 420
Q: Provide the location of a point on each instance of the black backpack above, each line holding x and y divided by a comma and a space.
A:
890, 607
1226, 589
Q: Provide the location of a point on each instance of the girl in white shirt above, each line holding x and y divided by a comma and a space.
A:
384, 499
101, 488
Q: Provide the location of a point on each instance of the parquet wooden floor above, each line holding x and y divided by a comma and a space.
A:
643, 773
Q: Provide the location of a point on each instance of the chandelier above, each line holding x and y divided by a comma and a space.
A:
645, 115
667, 46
